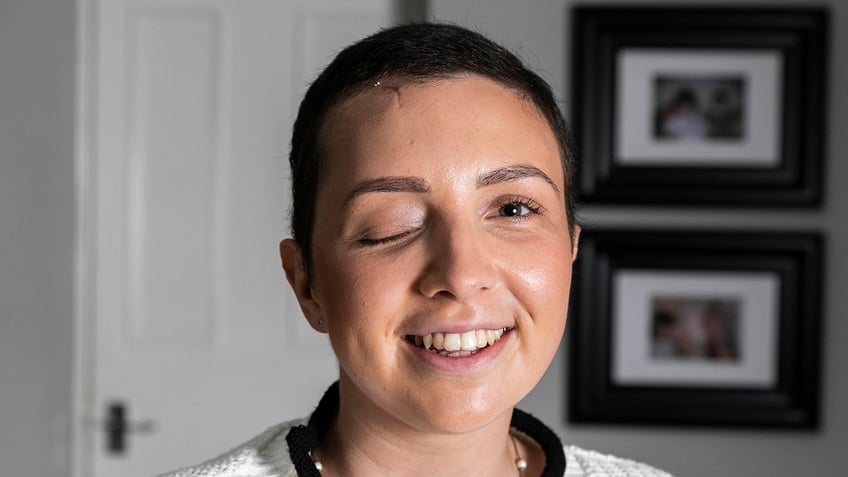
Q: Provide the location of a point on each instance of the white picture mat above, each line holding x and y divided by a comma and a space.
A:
635, 141
632, 295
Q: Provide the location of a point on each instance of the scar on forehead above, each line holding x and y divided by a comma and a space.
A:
393, 87
378, 97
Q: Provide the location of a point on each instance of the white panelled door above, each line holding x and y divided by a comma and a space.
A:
196, 344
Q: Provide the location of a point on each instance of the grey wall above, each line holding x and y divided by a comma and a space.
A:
539, 31
36, 234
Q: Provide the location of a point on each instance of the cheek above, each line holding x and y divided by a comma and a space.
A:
543, 274
353, 291
544, 282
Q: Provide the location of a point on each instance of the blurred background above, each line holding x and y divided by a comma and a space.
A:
113, 110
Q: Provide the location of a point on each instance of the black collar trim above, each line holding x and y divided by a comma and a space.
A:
302, 440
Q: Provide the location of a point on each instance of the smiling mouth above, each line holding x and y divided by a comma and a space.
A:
457, 345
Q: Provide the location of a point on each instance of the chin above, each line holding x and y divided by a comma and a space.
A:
459, 413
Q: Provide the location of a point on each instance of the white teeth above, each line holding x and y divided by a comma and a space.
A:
469, 340
459, 344
481, 339
456, 354
438, 340
452, 342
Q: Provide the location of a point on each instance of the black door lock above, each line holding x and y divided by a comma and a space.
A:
117, 427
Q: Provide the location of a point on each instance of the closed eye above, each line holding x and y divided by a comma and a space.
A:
370, 242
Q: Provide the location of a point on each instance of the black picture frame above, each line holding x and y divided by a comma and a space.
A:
767, 166
598, 394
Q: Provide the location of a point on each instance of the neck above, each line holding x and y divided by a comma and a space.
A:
364, 441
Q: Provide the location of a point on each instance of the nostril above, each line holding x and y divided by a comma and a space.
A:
457, 285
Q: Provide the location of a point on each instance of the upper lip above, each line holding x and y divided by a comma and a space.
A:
461, 327
458, 318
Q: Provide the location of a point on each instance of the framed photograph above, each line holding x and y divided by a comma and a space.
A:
699, 106
696, 327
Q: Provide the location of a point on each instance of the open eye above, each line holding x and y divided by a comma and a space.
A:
517, 208
513, 209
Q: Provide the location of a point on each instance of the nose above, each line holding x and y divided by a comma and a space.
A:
460, 264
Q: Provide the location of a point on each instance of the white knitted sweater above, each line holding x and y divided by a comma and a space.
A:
267, 455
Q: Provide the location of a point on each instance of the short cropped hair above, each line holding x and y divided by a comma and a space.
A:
419, 52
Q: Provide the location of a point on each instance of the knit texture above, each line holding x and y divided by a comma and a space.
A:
267, 455
285, 451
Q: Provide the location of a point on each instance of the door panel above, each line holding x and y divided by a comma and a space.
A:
196, 332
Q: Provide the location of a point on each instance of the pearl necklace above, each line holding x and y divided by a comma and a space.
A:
520, 463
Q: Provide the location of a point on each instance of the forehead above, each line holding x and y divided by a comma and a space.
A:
401, 126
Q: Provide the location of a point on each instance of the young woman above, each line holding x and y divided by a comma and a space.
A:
434, 235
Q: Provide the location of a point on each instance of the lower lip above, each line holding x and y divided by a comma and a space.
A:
463, 364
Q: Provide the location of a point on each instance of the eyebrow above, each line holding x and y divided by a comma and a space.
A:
388, 184
514, 173
419, 185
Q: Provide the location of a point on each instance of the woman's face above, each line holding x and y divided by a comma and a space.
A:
440, 221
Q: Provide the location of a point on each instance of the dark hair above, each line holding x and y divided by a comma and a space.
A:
418, 51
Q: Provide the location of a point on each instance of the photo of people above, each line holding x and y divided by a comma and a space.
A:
695, 328
699, 107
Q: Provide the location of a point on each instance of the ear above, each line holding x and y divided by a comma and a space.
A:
575, 243
292, 258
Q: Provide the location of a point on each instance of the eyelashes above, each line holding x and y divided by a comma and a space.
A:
371, 242
512, 209
519, 208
